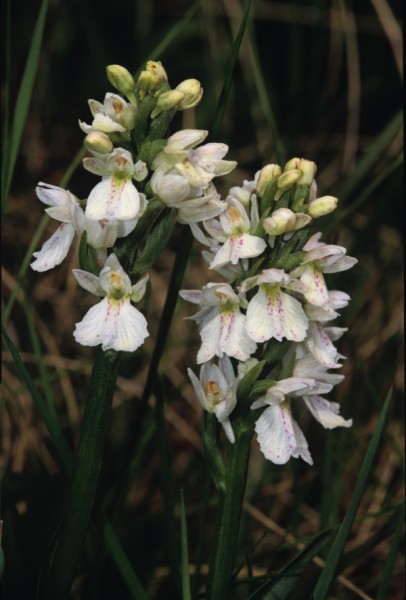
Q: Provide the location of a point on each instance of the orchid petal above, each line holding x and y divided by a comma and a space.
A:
55, 249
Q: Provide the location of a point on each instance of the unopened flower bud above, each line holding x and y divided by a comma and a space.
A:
284, 220
157, 70
151, 78
293, 163
267, 175
122, 80
288, 179
307, 168
167, 101
322, 206
193, 92
281, 221
98, 142
140, 171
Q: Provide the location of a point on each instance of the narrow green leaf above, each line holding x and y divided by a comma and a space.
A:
156, 243
45, 380
60, 564
229, 76
249, 379
46, 414
288, 576
173, 33
22, 103
167, 487
215, 462
122, 563
390, 561
186, 594
368, 161
343, 214
65, 454
327, 575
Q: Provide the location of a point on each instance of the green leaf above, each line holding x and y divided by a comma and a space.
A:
46, 414
210, 436
122, 563
288, 576
327, 575
168, 495
157, 241
248, 380
186, 595
60, 563
390, 561
22, 104
229, 76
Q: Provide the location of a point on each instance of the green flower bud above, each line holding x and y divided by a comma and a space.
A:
151, 79
322, 206
307, 168
193, 92
288, 179
167, 101
284, 220
121, 79
267, 175
157, 70
281, 221
98, 142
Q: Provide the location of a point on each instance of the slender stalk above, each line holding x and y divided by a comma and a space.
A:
57, 575
228, 518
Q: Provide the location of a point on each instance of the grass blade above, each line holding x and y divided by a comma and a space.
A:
186, 595
225, 92
22, 103
326, 578
46, 414
368, 161
288, 576
122, 563
390, 562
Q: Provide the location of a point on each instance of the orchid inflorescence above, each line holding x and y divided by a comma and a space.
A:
270, 315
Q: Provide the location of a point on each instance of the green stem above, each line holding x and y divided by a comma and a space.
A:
58, 573
228, 518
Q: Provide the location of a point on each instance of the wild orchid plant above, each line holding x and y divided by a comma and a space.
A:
266, 342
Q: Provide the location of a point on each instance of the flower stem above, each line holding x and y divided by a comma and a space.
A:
229, 516
63, 555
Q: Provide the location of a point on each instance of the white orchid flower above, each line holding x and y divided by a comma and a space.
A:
216, 391
113, 116
320, 258
114, 322
233, 230
198, 166
115, 197
272, 313
222, 325
279, 436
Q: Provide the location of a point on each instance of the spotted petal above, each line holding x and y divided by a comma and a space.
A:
113, 198
326, 412
115, 325
280, 437
55, 249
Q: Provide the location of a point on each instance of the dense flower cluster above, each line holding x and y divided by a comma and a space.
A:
275, 291
176, 172
259, 238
